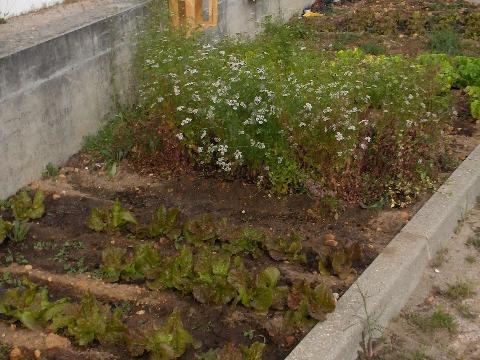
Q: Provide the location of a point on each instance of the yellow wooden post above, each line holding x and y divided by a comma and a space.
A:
213, 13
198, 12
190, 13
174, 12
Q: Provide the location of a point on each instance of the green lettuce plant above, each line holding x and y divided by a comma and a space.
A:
211, 271
242, 240
25, 208
110, 218
30, 305
307, 304
286, 248
164, 223
5, 227
232, 352
200, 230
167, 342
339, 261
177, 273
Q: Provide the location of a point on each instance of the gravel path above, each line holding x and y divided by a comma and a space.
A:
442, 319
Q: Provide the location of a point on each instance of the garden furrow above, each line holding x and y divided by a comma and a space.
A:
47, 344
80, 284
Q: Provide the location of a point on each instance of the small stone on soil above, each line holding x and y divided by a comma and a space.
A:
37, 353
140, 312
329, 240
56, 341
16, 354
28, 267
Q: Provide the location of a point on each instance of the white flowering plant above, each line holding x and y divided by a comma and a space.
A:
270, 109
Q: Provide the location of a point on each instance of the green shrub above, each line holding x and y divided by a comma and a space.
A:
273, 110
373, 48
446, 41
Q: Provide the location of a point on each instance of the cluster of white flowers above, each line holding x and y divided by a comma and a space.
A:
232, 110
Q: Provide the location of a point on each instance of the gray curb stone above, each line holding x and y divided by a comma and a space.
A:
388, 282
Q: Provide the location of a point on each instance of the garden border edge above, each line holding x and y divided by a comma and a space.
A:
386, 285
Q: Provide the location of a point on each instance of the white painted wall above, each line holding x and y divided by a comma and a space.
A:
16, 7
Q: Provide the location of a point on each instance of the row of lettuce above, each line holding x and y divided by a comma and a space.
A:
89, 321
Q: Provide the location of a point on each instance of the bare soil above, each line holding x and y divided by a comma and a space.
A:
64, 253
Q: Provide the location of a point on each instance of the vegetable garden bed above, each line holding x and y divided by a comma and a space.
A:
234, 251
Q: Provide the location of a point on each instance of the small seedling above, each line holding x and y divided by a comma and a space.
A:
373, 48
440, 258
51, 171
249, 334
43, 245
416, 355
76, 267
18, 258
465, 311
4, 348
19, 232
439, 319
474, 241
460, 290
471, 259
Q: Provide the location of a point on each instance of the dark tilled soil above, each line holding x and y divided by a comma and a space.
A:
59, 240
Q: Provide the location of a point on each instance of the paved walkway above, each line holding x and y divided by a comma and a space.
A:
442, 319
26, 30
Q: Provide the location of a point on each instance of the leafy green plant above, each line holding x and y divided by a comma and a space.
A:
242, 240
110, 218
164, 223
339, 261
76, 267
85, 321
169, 341
177, 273
286, 248
210, 284
266, 293
474, 241
89, 321
26, 208
112, 263
306, 303
30, 305
460, 290
201, 230
51, 171
373, 48
11, 257
474, 93
5, 227
18, 231
224, 105
439, 319
145, 260
446, 41
114, 142
66, 249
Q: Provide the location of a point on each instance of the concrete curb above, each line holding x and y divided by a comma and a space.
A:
390, 279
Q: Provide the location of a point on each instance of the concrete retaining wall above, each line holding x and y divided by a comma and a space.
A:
54, 93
